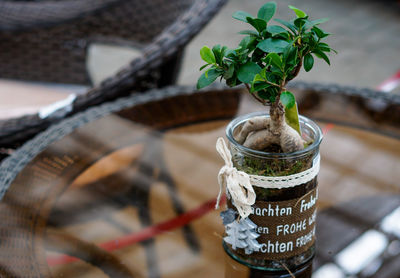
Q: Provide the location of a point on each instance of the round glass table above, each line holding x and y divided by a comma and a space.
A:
127, 189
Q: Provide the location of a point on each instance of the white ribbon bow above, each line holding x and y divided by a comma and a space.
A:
237, 183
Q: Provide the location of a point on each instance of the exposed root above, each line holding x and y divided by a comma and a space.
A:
260, 132
254, 124
290, 140
260, 139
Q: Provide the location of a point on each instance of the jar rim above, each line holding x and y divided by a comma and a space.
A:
306, 121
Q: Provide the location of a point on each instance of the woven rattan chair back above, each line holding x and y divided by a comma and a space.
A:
47, 40
35, 44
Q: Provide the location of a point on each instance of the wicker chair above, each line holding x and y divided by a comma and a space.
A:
47, 41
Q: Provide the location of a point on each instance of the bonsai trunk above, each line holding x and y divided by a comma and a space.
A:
260, 132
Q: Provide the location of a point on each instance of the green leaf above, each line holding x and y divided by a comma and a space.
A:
292, 118
298, 12
275, 72
246, 42
232, 82
242, 16
207, 55
217, 53
247, 72
319, 21
224, 50
286, 52
322, 55
204, 66
299, 22
264, 94
285, 36
207, 79
258, 77
229, 73
291, 58
259, 24
263, 73
249, 32
287, 24
323, 44
274, 59
231, 53
272, 45
259, 86
206, 72
267, 11
308, 24
287, 99
325, 49
320, 33
267, 94
276, 29
308, 62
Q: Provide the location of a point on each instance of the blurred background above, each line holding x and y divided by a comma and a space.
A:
365, 34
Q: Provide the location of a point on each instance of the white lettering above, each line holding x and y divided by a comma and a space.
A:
303, 240
307, 205
287, 229
272, 211
277, 247
262, 230
312, 219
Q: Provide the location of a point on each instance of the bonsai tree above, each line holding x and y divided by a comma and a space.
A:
267, 58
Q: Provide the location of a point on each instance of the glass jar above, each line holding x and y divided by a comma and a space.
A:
285, 217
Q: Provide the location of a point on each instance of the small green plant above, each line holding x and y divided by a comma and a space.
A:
266, 59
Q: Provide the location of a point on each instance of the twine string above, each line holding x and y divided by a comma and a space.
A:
239, 184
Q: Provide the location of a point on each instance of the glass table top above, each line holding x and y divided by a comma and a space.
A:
132, 193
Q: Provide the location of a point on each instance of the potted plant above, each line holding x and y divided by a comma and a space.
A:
273, 160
